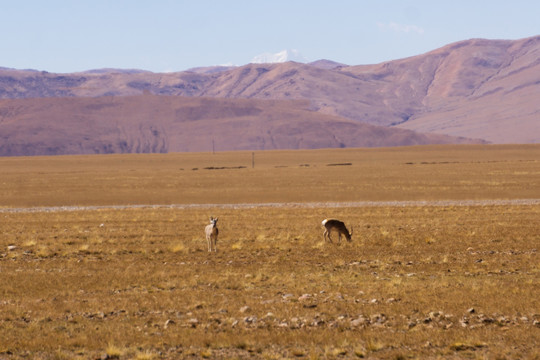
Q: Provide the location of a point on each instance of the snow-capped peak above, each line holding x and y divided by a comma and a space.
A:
280, 57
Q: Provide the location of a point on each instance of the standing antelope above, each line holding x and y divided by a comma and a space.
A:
339, 226
212, 231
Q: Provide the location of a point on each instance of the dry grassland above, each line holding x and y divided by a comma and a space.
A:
409, 173
415, 282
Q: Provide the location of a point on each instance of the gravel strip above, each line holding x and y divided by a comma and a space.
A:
496, 202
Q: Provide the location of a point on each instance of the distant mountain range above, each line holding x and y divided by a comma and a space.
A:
474, 91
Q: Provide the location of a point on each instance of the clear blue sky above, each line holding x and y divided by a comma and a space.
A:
169, 35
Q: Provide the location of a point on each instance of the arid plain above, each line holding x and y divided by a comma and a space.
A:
443, 261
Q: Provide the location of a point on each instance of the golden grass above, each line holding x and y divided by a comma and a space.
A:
413, 173
134, 294
415, 282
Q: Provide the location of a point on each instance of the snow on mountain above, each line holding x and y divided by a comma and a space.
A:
279, 57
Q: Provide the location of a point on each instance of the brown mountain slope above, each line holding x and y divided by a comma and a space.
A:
485, 89
149, 124
493, 94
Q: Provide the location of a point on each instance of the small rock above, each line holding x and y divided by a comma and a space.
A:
378, 319
269, 315
11, 247
287, 296
245, 309
471, 311
168, 323
332, 324
305, 297
193, 322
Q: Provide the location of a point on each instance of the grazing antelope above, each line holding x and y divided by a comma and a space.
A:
339, 226
212, 231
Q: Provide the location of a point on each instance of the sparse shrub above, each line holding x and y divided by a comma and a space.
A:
44, 252
114, 352
84, 248
373, 345
360, 352
206, 353
319, 245
147, 355
339, 352
242, 345
237, 245
430, 240
298, 352
30, 243
180, 248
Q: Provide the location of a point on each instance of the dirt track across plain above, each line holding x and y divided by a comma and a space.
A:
483, 202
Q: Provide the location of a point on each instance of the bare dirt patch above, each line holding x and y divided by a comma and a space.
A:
497, 202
